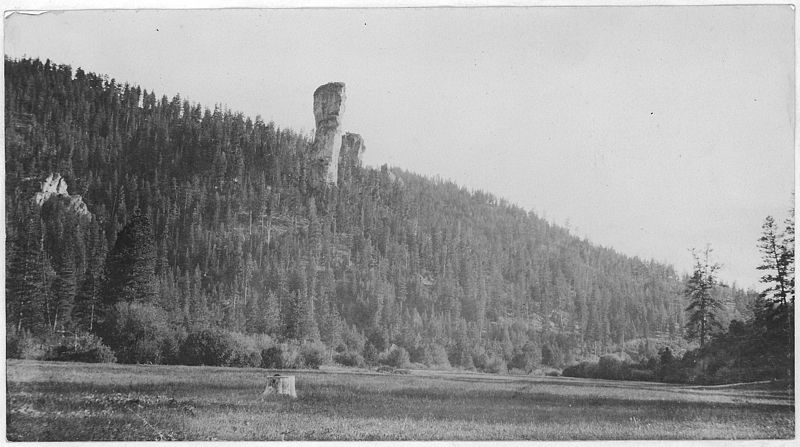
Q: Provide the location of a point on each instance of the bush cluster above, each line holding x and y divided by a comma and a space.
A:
582, 369
139, 333
79, 347
86, 348
495, 365
293, 355
350, 359
24, 345
396, 357
215, 347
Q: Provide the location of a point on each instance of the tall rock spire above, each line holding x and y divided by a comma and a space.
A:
328, 113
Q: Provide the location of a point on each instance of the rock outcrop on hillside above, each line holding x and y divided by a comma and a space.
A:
350, 155
329, 102
54, 186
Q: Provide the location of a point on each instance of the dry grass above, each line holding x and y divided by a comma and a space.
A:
69, 401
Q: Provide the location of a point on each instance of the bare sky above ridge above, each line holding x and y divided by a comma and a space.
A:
650, 129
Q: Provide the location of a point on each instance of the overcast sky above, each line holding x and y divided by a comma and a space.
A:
648, 129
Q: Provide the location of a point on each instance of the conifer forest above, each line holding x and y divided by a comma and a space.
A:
177, 233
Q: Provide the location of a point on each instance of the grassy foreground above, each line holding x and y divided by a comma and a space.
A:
48, 401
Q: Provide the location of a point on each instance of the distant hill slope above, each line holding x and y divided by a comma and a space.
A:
244, 240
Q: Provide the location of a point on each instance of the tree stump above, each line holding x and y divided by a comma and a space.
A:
280, 385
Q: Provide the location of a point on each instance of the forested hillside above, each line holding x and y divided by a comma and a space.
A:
211, 219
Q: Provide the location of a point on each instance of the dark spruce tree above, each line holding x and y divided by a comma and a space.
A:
130, 267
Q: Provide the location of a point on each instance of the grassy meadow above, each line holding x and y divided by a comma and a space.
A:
49, 401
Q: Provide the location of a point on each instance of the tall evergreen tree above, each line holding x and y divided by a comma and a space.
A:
777, 257
130, 267
774, 317
703, 306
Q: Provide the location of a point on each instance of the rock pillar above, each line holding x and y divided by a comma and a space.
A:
328, 113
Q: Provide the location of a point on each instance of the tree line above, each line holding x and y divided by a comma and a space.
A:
758, 347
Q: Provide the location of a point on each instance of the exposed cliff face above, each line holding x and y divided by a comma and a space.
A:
350, 155
54, 186
328, 113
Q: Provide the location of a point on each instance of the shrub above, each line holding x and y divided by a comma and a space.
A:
83, 348
524, 358
572, 371
354, 341
212, 347
171, 348
370, 354
675, 375
216, 347
665, 356
244, 351
349, 359
291, 357
583, 369
641, 374
480, 359
272, 358
201, 347
138, 333
312, 354
251, 360
24, 345
378, 338
396, 357
145, 350
496, 365
436, 356
591, 370
551, 356
612, 367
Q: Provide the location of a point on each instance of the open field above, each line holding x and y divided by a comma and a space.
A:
49, 401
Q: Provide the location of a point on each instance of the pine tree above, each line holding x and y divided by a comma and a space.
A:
774, 317
777, 250
788, 254
703, 306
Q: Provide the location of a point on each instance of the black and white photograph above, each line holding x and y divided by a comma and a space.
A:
399, 221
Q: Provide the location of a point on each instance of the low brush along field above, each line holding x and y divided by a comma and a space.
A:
49, 401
